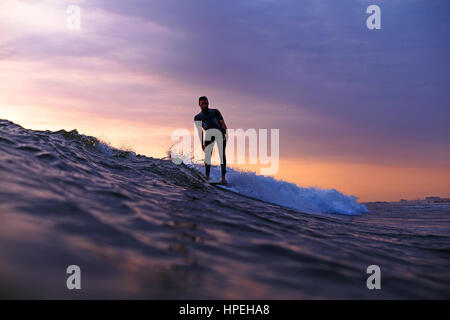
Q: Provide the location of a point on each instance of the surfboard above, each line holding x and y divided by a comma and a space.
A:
229, 187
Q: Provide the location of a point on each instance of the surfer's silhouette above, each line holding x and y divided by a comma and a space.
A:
211, 119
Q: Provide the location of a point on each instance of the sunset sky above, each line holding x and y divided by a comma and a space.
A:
363, 111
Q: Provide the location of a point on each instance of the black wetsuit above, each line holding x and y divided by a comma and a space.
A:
210, 120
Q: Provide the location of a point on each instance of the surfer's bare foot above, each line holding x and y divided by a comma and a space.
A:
207, 178
224, 181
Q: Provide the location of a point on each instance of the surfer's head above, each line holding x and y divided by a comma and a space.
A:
203, 103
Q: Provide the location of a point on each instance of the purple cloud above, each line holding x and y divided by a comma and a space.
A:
379, 95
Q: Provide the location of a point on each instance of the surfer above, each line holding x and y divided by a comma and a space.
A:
211, 119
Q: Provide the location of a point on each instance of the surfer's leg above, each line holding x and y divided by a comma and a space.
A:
208, 154
223, 162
207, 170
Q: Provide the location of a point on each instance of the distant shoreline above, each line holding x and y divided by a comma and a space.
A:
416, 201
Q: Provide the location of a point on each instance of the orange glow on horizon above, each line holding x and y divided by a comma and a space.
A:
368, 182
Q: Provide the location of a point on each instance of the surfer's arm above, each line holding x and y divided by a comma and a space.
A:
223, 124
221, 121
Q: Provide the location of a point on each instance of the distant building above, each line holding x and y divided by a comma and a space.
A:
437, 200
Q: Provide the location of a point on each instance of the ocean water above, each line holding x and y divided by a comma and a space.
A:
145, 228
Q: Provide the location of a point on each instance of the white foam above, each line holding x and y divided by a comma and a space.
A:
266, 188
105, 149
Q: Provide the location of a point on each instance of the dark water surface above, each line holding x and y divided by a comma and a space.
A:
140, 227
